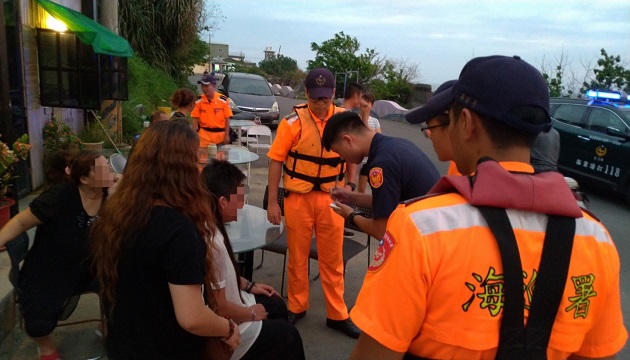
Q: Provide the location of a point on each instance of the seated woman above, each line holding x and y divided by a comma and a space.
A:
58, 264
257, 308
150, 253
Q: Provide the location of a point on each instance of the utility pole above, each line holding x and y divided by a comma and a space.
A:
210, 69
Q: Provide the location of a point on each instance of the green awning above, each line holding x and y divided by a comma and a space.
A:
102, 40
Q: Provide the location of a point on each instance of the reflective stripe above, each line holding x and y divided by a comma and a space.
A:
464, 216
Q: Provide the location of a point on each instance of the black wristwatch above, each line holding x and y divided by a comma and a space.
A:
350, 217
352, 185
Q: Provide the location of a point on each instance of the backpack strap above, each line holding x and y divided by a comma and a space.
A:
517, 341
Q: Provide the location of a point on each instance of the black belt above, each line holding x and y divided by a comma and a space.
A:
214, 130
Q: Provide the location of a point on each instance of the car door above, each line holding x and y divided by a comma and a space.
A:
608, 136
570, 122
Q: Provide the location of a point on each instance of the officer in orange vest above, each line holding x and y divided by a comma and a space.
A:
211, 115
438, 286
310, 173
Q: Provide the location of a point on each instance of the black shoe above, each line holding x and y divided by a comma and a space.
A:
347, 233
294, 317
345, 326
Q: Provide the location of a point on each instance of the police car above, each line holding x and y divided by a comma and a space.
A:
595, 138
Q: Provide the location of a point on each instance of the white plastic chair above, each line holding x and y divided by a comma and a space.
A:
260, 133
117, 162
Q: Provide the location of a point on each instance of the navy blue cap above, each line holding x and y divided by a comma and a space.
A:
207, 80
434, 106
320, 83
494, 85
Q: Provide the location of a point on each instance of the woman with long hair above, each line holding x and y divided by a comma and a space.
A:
183, 100
259, 310
57, 267
150, 253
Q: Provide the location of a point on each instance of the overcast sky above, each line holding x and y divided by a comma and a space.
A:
440, 36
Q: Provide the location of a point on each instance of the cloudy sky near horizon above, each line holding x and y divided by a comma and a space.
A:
438, 36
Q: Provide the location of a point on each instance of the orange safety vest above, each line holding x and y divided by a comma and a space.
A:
308, 163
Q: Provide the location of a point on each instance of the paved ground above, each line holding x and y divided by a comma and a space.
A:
80, 342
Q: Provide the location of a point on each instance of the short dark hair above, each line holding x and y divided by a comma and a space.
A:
352, 89
368, 97
339, 124
155, 116
222, 178
502, 134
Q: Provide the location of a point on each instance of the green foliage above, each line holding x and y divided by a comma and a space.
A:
611, 75
339, 56
92, 132
248, 69
279, 65
149, 87
556, 88
59, 136
165, 33
395, 84
8, 158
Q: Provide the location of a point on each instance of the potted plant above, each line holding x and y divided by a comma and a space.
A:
8, 158
59, 136
93, 135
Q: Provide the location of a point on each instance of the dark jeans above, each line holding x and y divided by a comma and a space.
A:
275, 306
278, 338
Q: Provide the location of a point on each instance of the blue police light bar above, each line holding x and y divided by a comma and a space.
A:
608, 95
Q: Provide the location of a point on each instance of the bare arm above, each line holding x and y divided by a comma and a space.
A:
227, 130
372, 227
238, 313
274, 214
369, 349
193, 315
195, 123
22, 222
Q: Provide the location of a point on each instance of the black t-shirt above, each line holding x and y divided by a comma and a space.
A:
398, 171
143, 326
58, 263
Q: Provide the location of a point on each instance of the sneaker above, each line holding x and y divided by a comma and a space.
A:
294, 317
345, 326
347, 233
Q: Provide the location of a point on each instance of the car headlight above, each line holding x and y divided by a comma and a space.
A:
274, 107
232, 105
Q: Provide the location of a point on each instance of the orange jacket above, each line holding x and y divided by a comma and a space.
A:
435, 286
308, 163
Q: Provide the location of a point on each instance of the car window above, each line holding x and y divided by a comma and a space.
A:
571, 114
600, 119
250, 86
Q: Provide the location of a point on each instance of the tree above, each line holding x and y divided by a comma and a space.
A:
166, 33
611, 75
339, 56
556, 78
395, 82
279, 65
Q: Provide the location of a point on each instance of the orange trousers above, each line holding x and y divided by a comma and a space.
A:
304, 213
207, 137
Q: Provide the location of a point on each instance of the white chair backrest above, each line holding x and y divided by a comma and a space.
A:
117, 162
259, 130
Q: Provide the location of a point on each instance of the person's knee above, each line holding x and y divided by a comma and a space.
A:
39, 327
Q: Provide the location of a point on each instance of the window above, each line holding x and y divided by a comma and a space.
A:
600, 119
72, 75
570, 114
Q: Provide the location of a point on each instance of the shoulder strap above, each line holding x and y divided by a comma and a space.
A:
512, 334
517, 341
